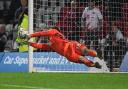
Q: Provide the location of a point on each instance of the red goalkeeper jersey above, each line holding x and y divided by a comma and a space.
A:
59, 44
57, 41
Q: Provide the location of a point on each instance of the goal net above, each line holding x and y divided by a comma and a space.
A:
100, 24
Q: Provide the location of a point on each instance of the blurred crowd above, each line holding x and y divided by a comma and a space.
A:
100, 24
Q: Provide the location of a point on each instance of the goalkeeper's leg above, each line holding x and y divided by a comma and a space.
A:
83, 48
40, 46
92, 53
74, 57
89, 63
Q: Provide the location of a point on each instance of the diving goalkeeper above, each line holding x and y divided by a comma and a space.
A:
72, 50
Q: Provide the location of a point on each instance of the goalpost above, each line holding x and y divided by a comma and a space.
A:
47, 13
30, 53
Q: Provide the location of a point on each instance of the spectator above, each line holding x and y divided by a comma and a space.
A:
92, 23
73, 21
115, 46
15, 4
62, 23
23, 9
21, 18
69, 20
47, 15
3, 37
124, 64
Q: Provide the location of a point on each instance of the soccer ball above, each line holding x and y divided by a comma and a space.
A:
23, 33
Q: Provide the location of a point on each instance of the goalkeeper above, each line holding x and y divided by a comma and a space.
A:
72, 50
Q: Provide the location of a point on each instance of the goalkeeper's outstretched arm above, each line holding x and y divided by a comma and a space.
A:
49, 32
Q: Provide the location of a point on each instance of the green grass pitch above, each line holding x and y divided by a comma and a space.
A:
63, 81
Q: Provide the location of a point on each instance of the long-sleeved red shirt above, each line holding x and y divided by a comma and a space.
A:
57, 41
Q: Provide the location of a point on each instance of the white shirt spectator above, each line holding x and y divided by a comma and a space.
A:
91, 18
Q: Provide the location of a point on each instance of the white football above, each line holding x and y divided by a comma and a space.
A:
23, 33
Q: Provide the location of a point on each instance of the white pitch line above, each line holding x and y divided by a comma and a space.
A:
22, 86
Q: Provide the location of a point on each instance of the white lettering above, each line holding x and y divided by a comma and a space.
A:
42, 60
8, 60
19, 61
